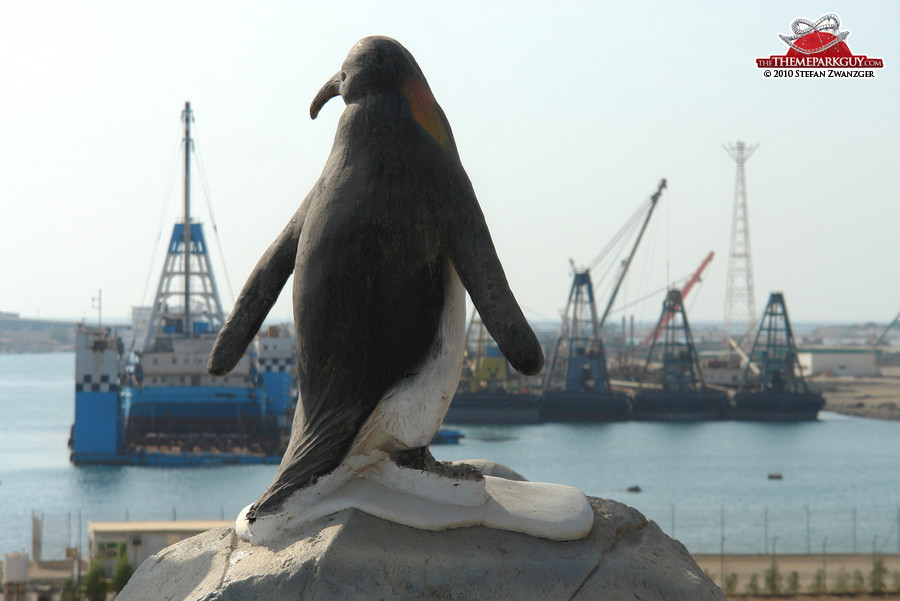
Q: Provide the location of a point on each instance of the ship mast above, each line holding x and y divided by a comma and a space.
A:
187, 116
187, 273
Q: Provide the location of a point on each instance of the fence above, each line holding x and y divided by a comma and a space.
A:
770, 530
706, 530
47, 536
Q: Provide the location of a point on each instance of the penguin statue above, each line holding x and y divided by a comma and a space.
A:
383, 250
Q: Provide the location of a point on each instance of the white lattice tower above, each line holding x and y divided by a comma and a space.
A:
740, 309
186, 275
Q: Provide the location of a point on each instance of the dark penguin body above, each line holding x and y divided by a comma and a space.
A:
380, 249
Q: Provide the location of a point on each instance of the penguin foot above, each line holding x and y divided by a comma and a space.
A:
421, 499
369, 482
421, 458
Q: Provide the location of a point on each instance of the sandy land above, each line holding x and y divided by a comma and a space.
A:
876, 397
839, 571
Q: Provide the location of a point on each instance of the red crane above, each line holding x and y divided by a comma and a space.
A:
661, 325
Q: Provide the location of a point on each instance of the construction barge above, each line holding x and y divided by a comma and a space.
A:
151, 401
671, 388
679, 392
576, 386
772, 387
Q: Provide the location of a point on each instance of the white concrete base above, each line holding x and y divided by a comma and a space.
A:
429, 502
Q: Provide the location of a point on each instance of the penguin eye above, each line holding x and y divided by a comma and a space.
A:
343, 76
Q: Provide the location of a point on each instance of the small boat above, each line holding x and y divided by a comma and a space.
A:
447, 436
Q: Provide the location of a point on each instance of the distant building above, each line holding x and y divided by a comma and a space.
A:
721, 368
15, 576
19, 335
107, 541
834, 361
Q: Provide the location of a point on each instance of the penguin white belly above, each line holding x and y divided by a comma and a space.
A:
412, 410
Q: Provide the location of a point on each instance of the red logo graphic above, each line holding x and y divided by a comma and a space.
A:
818, 45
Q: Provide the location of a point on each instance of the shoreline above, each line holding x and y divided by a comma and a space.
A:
875, 397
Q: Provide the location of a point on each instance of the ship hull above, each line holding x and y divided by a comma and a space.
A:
175, 459
561, 406
678, 406
186, 410
493, 408
776, 406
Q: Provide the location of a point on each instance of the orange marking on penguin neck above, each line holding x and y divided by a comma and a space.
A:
424, 110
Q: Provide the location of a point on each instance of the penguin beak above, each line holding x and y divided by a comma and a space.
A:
328, 91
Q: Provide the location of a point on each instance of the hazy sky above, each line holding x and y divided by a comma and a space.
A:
566, 115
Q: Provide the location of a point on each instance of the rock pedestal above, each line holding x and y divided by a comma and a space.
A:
352, 555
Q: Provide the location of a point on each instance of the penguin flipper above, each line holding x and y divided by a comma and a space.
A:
465, 236
257, 297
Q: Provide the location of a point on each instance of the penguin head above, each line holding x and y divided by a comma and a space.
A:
379, 65
374, 65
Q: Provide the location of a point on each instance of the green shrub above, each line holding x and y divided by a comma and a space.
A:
818, 584
69, 591
123, 571
95, 584
793, 583
877, 585
773, 579
731, 584
753, 585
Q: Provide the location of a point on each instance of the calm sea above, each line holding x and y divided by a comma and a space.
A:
706, 483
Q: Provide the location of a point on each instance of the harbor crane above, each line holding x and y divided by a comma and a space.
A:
577, 385
660, 326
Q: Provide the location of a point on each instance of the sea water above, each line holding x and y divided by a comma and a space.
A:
705, 483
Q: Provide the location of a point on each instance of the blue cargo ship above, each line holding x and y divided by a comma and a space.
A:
154, 403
